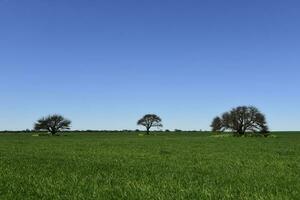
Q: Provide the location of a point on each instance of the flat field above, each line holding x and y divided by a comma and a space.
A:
163, 166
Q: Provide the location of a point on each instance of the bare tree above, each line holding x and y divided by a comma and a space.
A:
52, 123
240, 120
150, 120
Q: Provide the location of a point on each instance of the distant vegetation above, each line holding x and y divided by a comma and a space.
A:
241, 120
149, 121
52, 124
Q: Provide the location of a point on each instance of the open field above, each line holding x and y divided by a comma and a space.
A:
167, 166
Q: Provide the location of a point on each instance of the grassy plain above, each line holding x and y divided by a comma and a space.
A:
163, 166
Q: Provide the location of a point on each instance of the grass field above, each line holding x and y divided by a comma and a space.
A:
166, 166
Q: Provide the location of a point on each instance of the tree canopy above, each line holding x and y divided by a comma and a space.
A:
150, 120
52, 124
240, 120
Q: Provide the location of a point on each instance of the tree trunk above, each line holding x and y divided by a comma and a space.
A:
148, 131
241, 133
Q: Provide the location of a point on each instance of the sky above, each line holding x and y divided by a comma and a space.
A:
104, 64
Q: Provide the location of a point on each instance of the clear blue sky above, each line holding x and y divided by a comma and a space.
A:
104, 64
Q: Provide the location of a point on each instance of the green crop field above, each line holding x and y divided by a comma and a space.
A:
162, 166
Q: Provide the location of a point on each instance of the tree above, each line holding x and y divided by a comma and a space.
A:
150, 120
241, 120
216, 124
52, 124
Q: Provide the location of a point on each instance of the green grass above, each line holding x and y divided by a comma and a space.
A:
167, 166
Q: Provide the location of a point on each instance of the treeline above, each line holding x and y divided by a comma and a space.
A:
240, 121
108, 131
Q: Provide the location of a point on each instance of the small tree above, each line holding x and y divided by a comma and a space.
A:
52, 124
150, 120
240, 120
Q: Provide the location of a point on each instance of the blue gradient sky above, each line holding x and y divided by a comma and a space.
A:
104, 64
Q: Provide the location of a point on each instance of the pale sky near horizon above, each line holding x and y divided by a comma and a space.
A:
104, 64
